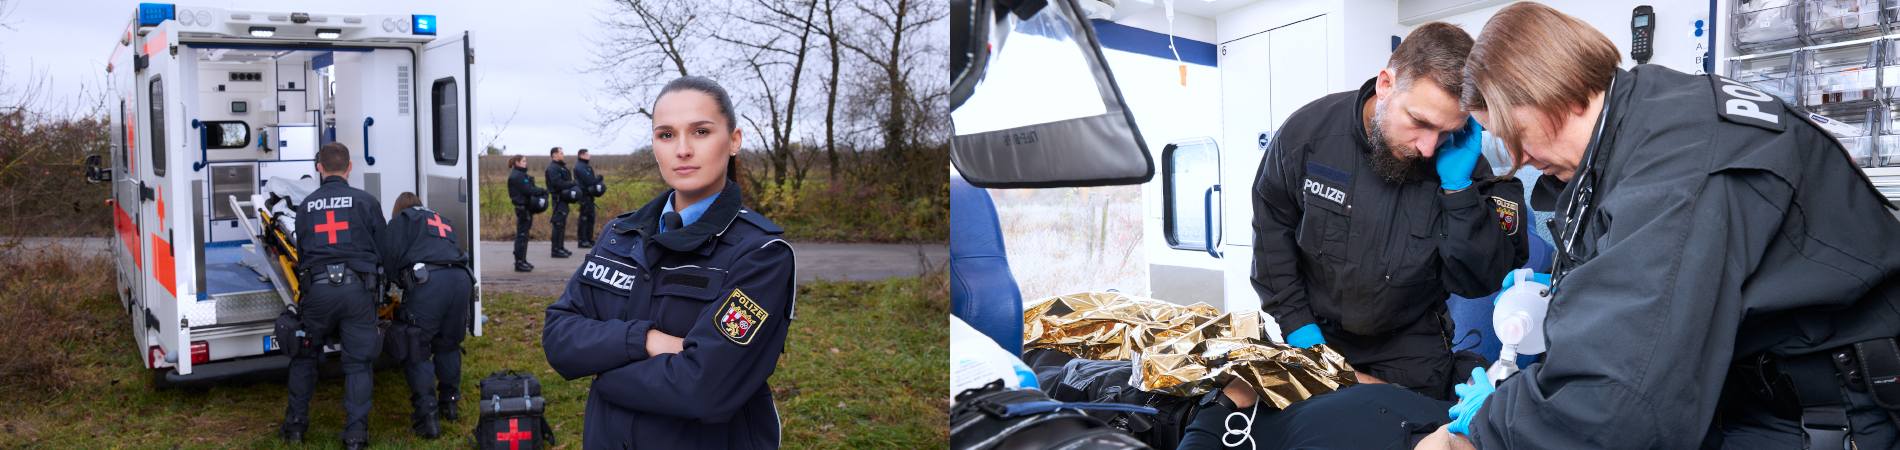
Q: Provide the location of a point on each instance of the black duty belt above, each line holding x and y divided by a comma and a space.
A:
1807, 387
333, 274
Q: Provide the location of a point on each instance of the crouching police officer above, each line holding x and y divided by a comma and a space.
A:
1725, 276
681, 310
338, 231
528, 199
426, 260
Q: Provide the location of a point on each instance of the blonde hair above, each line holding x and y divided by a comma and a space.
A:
1530, 55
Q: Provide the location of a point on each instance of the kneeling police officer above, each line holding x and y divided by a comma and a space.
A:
338, 230
1725, 277
425, 258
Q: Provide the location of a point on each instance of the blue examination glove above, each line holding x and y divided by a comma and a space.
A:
1306, 337
1526, 275
1471, 397
1457, 157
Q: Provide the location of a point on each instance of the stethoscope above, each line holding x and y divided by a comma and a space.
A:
1580, 198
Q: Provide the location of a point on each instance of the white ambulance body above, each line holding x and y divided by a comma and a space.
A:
211, 104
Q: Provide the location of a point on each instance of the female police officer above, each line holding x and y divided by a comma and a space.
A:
682, 308
421, 254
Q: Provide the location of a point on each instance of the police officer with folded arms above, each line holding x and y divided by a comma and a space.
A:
560, 182
423, 255
338, 231
1367, 215
1725, 276
528, 200
681, 313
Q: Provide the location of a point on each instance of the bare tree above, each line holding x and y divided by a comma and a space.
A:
645, 44
774, 48
894, 40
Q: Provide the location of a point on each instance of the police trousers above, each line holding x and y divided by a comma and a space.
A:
1417, 357
524, 223
344, 314
440, 308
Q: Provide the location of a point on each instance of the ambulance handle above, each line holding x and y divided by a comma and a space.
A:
367, 121
204, 153
1207, 218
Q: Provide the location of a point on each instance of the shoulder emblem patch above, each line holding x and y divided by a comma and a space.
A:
1507, 215
739, 318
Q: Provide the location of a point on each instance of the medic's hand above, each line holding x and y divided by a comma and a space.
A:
1471, 397
1456, 158
661, 343
1306, 337
1525, 275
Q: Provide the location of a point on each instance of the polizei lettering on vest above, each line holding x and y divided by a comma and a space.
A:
328, 203
604, 274
1326, 192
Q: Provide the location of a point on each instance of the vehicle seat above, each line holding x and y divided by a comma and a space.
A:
983, 292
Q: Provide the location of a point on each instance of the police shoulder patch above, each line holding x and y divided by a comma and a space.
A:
739, 318
1509, 215
1743, 104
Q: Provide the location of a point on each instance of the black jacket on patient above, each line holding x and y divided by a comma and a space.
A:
1365, 416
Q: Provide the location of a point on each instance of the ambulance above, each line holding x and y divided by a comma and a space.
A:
217, 116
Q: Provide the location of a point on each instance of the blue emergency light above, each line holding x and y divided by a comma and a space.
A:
154, 13
425, 24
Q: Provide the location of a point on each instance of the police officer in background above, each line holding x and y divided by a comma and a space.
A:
560, 180
1367, 215
584, 174
339, 229
424, 257
1725, 276
523, 193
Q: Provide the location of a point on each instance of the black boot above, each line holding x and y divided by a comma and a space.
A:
521, 265
423, 424
585, 244
561, 253
355, 444
292, 433
447, 409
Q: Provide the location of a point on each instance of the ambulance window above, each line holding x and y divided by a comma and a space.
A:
158, 126
447, 134
125, 154
229, 134
1188, 168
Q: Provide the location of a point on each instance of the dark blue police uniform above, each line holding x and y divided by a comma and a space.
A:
584, 232
559, 181
723, 283
425, 258
338, 232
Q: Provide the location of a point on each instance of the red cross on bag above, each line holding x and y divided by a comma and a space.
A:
514, 436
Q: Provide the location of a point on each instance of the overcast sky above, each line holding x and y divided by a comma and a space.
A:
528, 54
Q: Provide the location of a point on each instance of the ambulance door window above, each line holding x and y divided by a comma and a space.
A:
157, 126
125, 153
1189, 168
447, 135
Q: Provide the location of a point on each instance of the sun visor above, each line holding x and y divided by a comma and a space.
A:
1046, 112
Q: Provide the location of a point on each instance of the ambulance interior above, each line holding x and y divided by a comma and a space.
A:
264, 113
1208, 83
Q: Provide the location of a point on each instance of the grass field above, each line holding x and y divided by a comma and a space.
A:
818, 211
863, 369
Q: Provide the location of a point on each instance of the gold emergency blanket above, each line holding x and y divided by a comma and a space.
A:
1182, 350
